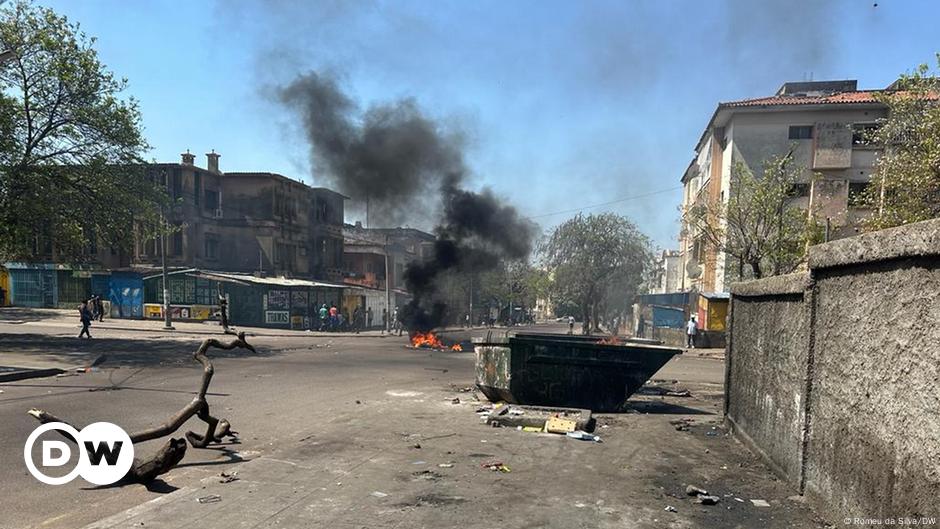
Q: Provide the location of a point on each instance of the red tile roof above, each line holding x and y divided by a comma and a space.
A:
844, 98
863, 96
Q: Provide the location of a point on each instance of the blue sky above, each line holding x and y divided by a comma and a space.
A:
565, 104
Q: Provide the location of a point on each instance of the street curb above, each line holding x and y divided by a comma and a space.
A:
13, 376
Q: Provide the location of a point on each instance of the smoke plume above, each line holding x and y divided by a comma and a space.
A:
397, 157
391, 156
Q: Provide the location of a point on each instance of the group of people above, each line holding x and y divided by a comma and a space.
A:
332, 319
90, 310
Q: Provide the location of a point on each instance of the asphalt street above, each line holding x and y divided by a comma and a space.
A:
338, 403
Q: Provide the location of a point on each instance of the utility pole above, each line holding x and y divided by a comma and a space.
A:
167, 318
388, 292
471, 297
509, 279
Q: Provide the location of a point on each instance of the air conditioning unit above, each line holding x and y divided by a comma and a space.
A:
217, 213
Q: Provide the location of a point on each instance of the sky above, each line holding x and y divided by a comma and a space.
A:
564, 105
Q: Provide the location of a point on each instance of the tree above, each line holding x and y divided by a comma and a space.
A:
597, 263
516, 281
905, 186
758, 225
70, 149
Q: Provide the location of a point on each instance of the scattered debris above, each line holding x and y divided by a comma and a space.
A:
378, 494
496, 466
760, 503
455, 400
682, 425
212, 498
420, 463
446, 465
358, 402
559, 425
670, 508
708, 500
584, 436
416, 445
228, 478
692, 490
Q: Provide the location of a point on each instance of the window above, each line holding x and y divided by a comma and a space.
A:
212, 199
798, 190
862, 133
801, 132
197, 186
857, 192
211, 248
177, 183
177, 249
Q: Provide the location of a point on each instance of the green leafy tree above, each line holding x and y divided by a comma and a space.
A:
758, 225
71, 172
905, 186
517, 281
597, 263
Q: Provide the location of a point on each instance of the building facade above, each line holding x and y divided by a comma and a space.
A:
665, 273
822, 123
247, 222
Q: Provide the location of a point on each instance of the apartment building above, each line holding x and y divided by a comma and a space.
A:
823, 122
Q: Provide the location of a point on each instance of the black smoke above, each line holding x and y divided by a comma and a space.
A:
396, 156
391, 156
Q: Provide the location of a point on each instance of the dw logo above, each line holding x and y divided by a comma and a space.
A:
105, 453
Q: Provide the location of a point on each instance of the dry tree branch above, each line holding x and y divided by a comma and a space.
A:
171, 453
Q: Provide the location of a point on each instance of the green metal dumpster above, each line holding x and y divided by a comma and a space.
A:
563, 370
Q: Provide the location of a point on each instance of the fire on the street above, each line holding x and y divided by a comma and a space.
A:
430, 340
610, 340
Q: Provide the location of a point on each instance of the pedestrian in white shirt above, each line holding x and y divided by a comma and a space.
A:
691, 328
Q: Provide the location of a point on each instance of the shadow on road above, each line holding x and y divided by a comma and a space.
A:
24, 314
113, 352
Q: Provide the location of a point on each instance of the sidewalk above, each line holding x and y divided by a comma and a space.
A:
65, 318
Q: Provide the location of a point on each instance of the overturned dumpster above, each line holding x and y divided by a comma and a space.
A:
562, 370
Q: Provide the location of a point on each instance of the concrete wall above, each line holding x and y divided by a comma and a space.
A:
767, 367
855, 345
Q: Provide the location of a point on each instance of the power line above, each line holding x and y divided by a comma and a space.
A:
625, 199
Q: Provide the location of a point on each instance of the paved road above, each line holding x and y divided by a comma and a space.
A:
350, 411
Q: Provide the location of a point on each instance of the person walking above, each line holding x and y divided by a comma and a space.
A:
570, 324
324, 314
357, 319
334, 317
385, 321
396, 321
99, 308
691, 329
369, 318
84, 314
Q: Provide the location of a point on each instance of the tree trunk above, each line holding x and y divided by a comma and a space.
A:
755, 268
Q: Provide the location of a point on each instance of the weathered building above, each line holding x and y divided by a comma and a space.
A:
823, 122
664, 276
365, 250
248, 222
